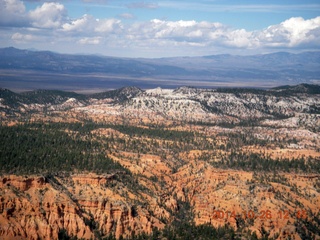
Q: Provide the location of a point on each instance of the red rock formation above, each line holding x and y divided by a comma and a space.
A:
31, 208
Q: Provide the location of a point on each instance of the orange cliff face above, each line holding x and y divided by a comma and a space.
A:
37, 208
241, 199
31, 208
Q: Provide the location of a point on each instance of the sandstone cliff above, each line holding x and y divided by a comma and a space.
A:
35, 207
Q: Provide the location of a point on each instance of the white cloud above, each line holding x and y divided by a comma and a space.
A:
12, 13
240, 39
94, 41
179, 31
195, 34
49, 15
127, 16
14, 6
293, 32
22, 37
108, 25
50, 24
83, 24
88, 24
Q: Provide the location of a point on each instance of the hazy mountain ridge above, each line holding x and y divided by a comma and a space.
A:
66, 63
49, 70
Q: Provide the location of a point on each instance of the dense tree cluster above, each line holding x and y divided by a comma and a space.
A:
260, 162
45, 148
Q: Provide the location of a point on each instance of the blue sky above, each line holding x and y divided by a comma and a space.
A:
161, 28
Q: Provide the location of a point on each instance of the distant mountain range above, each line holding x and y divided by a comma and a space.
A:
26, 70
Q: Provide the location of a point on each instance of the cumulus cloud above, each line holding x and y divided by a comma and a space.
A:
83, 24
88, 24
108, 25
94, 40
22, 37
186, 33
127, 16
291, 33
175, 30
49, 15
50, 23
12, 13
239, 38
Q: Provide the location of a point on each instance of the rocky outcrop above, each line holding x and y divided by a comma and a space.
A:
33, 208
22, 183
92, 179
183, 104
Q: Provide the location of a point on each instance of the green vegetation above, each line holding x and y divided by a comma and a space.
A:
50, 96
286, 90
153, 133
308, 229
12, 99
50, 147
260, 162
26, 149
120, 95
239, 91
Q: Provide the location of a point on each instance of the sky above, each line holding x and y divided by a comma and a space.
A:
155, 29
